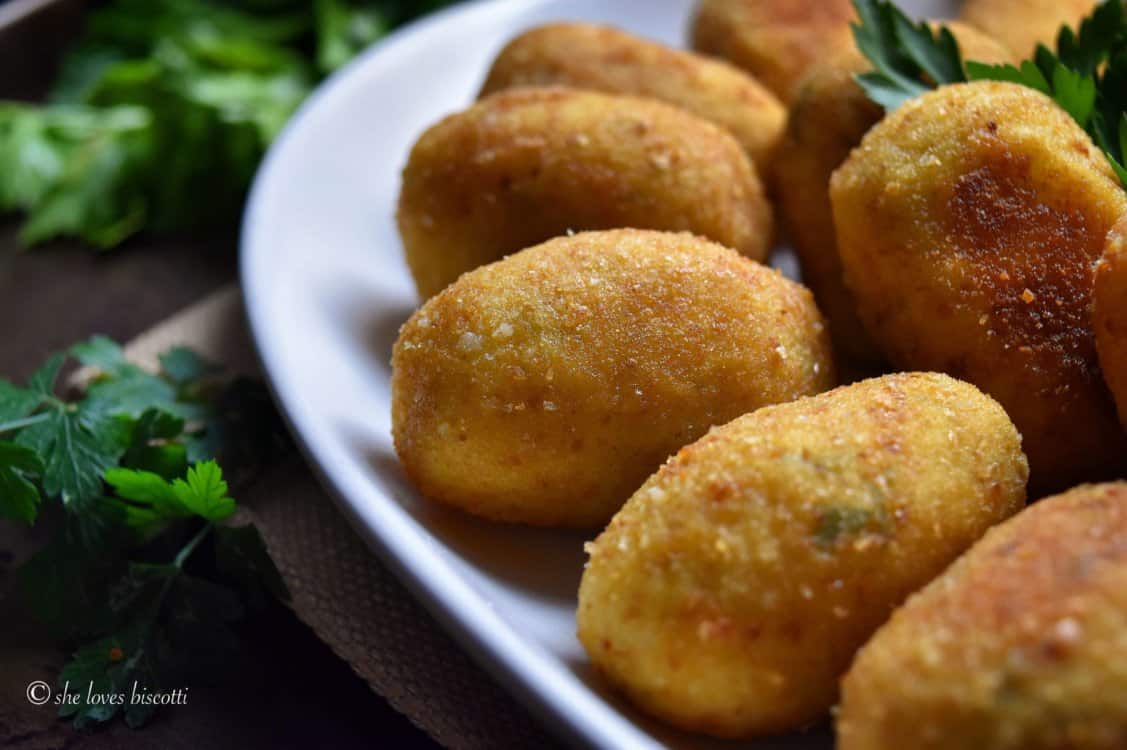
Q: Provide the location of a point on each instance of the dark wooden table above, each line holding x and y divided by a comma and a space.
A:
290, 690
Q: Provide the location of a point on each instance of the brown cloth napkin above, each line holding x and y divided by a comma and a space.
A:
338, 587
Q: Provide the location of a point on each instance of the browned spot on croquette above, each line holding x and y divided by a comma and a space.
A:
1032, 257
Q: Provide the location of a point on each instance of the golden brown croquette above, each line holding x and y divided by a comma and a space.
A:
730, 593
546, 387
777, 41
1020, 645
968, 223
828, 119
600, 58
526, 165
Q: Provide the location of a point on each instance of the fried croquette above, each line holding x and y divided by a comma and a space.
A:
731, 592
1023, 24
829, 117
526, 165
546, 387
586, 56
968, 223
777, 41
1110, 315
1020, 645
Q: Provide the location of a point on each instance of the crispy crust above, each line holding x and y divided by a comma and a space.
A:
546, 387
731, 592
777, 41
968, 223
601, 58
1021, 645
828, 119
526, 165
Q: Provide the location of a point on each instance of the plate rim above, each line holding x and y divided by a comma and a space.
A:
576, 714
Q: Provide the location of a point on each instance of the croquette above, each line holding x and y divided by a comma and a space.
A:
777, 41
1023, 24
1110, 315
586, 56
968, 222
1020, 645
829, 117
526, 165
731, 592
546, 387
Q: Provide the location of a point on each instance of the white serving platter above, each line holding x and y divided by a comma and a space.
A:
326, 290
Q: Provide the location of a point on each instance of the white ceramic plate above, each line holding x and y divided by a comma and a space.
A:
326, 290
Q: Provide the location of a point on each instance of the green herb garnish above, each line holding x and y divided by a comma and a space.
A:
161, 113
145, 572
1086, 75
902, 52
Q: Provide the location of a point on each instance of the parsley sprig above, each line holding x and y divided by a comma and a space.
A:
146, 572
902, 53
163, 109
1086, 75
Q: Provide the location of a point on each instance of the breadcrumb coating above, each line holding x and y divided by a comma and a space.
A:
829, 117
1021, 645
526, 165
777, 41
731, 592
969, 222
600, 58
546, 387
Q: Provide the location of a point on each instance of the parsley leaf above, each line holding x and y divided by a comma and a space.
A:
1028, 75
902, 53
154, 499
130, 391
19, 498
936, 53
77, 448
16, 403
111, 665
204, 492
1099, 34
183, 366
154, 445
100, 352
67, 584
74, 170
1075, 93
161, 113
1086, 76
1109, 125
123, 388
42, 381
117, 459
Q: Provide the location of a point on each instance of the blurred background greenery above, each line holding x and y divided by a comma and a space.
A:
162, 110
